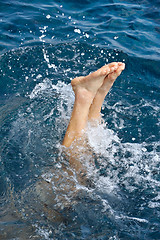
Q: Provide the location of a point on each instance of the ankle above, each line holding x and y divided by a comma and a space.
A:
83, 96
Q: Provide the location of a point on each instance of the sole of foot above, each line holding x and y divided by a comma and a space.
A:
95, 80
111, 77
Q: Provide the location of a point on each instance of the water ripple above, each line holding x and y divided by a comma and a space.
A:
127, 26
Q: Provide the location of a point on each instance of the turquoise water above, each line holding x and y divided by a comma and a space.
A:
43, 45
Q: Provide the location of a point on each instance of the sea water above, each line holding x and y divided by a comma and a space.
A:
43, 45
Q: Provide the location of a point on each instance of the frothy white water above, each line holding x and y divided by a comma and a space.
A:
133, 159
130, 163
116, 168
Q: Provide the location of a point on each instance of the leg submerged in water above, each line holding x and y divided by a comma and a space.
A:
90, 92
57, 189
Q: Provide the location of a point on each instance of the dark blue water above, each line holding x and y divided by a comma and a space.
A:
43, 45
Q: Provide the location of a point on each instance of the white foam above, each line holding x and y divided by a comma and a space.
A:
153, 204
45, 233
132, 218
41, 87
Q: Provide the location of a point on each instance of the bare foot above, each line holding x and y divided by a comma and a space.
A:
92, 82
95, 108
89, 95
110, 78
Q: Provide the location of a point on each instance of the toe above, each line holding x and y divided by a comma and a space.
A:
113, 75
116, 73
107, 69
122, 65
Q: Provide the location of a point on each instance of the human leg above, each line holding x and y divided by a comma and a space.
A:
58, 188
95, 108
85, 89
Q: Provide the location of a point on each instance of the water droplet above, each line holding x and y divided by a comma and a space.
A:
77, 30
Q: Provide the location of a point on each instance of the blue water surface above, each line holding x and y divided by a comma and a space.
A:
43, 45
